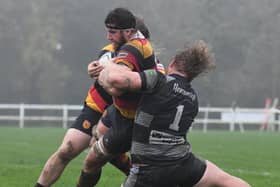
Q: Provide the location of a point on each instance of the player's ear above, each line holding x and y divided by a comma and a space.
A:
172, 62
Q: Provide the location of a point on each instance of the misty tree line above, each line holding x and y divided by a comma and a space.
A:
45, 46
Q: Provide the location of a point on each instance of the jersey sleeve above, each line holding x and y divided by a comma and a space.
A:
127, 56
137, 54
152, 80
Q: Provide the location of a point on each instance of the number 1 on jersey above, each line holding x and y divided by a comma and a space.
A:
175, 124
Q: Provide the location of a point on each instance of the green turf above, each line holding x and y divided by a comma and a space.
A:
253, 156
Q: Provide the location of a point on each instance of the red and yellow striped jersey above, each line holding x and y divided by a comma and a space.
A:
138, 55
97, 98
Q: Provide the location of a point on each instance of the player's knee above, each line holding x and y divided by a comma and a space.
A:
66, 152
96, 157
100, 151
229, 180
215, 176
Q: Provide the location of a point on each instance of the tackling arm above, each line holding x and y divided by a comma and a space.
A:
118, 79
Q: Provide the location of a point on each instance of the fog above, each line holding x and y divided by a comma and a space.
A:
45, 46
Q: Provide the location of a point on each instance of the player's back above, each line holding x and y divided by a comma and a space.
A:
163, 117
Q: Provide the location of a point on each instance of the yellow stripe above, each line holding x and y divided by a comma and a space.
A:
91, 104
125, 62
109, 47
130, 114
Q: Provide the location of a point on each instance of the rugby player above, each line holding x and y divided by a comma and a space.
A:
78, 136
161, 154
137, 54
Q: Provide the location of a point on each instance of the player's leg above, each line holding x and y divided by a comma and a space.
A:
115, 141
97, 155
96, 158
216, 177
138, 177
121, 161
146, 175
76, 140
73, 144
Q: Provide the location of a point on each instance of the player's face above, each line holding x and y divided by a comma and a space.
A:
116, 37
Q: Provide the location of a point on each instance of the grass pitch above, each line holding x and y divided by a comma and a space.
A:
253, 156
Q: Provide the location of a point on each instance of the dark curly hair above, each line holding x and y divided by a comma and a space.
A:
120, 18
142, 27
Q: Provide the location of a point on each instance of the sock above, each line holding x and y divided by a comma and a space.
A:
88, 179
122, 162
38, 185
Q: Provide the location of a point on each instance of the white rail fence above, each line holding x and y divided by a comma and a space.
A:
61, 113
208, 117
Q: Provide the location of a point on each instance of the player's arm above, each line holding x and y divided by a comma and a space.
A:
118, 79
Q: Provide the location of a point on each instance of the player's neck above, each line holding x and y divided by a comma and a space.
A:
174, 71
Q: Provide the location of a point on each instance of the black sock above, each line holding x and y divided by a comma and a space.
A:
89, 179
38, 185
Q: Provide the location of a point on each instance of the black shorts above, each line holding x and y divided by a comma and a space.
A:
185, 172
118, 138
86, 120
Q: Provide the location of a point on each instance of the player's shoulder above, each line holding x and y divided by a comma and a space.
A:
140, 44
106, 53
138, 41
108, 47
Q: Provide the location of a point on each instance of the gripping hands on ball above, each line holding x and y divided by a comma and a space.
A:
94, 68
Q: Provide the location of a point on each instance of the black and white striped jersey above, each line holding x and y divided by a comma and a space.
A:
164, 115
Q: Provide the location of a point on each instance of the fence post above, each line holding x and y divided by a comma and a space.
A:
266, 111
205, 121
241, 127
272, 116
65, 116
233, 107
278, 119
21, 115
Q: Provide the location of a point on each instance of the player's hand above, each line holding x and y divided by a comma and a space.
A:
94, 68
